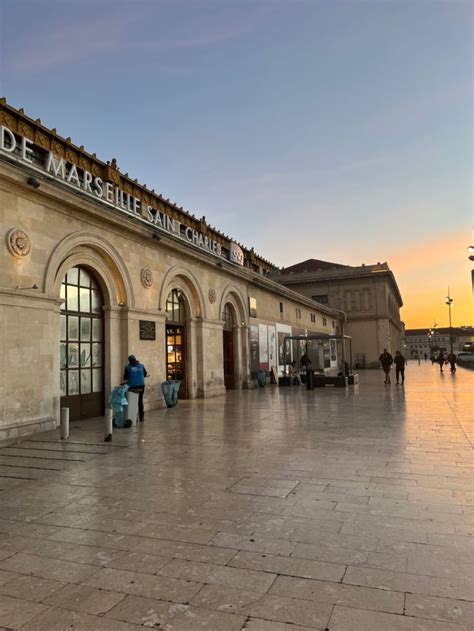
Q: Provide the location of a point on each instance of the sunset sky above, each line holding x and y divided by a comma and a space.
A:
339, 130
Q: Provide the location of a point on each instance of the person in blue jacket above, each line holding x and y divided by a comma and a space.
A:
134, 376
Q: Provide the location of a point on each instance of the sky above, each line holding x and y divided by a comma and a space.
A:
338, 130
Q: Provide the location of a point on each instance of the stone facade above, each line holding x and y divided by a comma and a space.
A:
367, 294
55, 229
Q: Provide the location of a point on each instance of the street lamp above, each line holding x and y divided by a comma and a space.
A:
449, 302
433, 333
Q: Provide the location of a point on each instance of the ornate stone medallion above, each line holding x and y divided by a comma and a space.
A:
18, 242
212, 295
147, 277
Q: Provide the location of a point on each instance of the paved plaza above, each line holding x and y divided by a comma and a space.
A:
267, 510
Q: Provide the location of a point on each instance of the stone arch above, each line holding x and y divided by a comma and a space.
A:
84, 248
179, 277
234, 296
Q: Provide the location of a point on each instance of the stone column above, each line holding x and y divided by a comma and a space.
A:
193, 357
244, 331
115, 341
241, 356
210, 358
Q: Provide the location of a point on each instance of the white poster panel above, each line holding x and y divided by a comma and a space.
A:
283, 330
272, 348
263, 346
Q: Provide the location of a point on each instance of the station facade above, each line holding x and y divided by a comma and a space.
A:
95, 266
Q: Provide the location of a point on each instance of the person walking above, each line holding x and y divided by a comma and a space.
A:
399, 362
134, 376
452, 361
441, 361
386, 361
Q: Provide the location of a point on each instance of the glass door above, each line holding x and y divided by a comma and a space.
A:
175, 356
81, 345
228, 351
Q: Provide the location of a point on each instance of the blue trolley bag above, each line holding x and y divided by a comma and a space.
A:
118, 402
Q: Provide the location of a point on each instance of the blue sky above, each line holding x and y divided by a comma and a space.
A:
339, 130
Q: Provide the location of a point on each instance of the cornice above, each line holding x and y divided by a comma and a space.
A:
49, 140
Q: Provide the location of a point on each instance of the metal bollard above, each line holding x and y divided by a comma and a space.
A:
108, 425
64, 423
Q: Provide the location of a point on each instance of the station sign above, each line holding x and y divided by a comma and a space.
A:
22, 150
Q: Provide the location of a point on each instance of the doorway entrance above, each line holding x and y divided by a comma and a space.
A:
176, 340
228, 339
82, 345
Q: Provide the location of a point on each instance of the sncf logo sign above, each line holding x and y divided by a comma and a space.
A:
236, 255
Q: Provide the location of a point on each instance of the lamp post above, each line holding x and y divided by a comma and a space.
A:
433, 335
449, 302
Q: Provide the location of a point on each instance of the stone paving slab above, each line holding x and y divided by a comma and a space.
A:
264, 510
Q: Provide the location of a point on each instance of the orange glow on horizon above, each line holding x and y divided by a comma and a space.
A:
425, 271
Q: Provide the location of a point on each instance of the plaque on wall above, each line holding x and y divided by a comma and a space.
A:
147, 330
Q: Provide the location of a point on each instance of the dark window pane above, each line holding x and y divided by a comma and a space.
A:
96, 380
73, 355
72, 276
73, 324
84, 278
62, 356
84, 300
85, 329
85, 355
86, 381
96, 302
62, 383
73, 385
97, 355
72, 298
96, 330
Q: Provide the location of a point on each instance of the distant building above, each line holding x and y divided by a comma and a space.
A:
368, 294
431, 341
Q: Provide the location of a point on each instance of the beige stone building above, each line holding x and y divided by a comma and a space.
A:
368, 294
95, 266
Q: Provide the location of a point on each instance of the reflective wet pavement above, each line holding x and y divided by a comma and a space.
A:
266, 510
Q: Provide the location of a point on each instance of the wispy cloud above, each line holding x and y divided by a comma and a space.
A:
68, 43
70, 40
214, 35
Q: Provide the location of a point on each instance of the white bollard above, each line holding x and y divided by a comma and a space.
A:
64, 423
133, 407
108, 425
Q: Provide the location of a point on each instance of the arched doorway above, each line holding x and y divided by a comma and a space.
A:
82, 344
228, 339
176, 339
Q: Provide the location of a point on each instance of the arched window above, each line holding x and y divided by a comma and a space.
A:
175, 308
